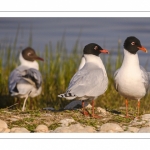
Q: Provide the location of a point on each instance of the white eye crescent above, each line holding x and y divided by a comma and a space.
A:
96, 47
132, 43
29, 54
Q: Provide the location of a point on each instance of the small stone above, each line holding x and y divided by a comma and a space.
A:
75, 128
19, 130
110, 131
144, 130
66, 122
133, 129
88, 106
3, 124
110, 127
5, 130
41, 128
80, 129
136, 122
102, 111
89, 129
148, 123
1, 129
125, 128
69, 129
146, 117
13, 119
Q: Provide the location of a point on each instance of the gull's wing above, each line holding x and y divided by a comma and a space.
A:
145, 77
25, 76
89, 81
115, 83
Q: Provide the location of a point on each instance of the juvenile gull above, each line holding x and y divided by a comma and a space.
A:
26, 80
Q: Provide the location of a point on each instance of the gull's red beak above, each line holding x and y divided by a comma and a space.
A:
142, 48
39, 58
104, 51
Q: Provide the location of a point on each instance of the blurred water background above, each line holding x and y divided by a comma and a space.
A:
101, 30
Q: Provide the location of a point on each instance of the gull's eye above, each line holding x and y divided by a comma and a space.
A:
96, 47
29, 54
132, 43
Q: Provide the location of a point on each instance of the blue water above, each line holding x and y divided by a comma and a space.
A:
103, 31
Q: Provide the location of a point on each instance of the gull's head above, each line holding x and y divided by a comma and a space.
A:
133, 44
94, 49
30, 55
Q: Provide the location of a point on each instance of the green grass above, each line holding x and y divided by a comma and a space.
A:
57, 69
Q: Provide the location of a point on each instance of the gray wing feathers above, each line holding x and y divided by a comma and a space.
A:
82, 85
24, 75
146, 77
33, 76
115, 83
14, 78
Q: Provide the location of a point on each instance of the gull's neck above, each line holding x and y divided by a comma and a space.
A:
130, 59
30, 64
95, 60
82, 63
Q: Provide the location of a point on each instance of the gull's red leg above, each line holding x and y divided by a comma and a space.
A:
86, 113
93, 113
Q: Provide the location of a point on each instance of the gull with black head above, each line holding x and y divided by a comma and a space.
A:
131, 79
26, 80
90, 81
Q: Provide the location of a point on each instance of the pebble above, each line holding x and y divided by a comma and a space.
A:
19, 130
3, 124
75, 128
102, 111
137, 122
146, 117
148, 123
133, 129
41, 128
5, 130
66, 122
144, 130
111, 127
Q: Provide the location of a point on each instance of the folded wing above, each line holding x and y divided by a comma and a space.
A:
82, 85
24, 76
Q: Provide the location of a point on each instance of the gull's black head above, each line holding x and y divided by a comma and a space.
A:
133, 44
30, 55
94, 49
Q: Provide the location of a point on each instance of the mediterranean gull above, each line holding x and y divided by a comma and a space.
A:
91, 80
26, 80
131, 79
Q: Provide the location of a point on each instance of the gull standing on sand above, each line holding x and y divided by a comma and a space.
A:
26, 80
91, 80
131, 79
